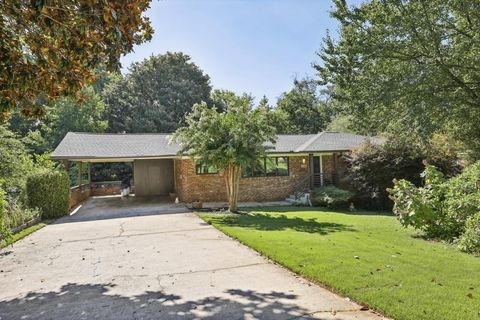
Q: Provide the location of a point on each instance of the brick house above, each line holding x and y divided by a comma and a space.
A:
295, 162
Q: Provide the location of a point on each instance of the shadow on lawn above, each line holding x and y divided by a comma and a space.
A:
89, 301
268, 222
320, 210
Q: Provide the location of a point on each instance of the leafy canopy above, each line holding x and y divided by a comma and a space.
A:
407, 66
156, 94
305, 111
236, 136
50, 49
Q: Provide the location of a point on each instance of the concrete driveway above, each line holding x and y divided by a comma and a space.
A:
151, 262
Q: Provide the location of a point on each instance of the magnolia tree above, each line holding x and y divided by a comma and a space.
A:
228, 140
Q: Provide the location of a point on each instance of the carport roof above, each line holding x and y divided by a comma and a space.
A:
104, 146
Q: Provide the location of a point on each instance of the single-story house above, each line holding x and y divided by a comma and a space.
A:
295, 162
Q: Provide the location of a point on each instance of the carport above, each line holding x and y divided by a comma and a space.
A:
151, 154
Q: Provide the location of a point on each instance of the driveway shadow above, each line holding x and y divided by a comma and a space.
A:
269, 222
101, 208
94, 301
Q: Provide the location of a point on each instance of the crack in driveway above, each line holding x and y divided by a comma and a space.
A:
214, 270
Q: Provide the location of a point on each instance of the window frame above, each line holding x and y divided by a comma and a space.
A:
250, 168
200, 164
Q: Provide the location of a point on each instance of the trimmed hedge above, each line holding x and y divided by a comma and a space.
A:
49, 190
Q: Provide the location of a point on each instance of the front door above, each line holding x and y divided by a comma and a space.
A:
153, 177
317, 171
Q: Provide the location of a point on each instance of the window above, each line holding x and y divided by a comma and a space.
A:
269, 166
202, 168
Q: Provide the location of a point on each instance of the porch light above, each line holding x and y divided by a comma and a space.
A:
304, 161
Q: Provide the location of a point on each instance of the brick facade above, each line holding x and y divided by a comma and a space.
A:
107, 188
78, 195
211, 187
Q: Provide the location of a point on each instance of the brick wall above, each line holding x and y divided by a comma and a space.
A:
211, 187
78, 195
335, 164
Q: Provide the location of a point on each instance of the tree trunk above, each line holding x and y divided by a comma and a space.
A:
232, 180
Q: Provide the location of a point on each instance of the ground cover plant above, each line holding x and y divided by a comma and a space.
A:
368, 257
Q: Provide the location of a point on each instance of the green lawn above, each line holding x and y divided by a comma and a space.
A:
366, 256
22, 234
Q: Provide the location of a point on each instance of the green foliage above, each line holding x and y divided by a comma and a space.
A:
340, 123
306, 113
421, 208
236, 136
18, 214
111, 171
64, 114
15, 163
372, 167
155, 94
406, 67
70, 115
470, 240
442, 208
228, 140
43, 161
4, 230
50, 49
49, 190
331, 197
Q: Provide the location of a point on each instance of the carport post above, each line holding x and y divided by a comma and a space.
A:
89, 173
79, 173
66, 165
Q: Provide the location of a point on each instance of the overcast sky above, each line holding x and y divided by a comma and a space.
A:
252, 46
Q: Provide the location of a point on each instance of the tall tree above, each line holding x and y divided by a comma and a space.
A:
407, 66
305, 111
50, 49
156, 94
69, 115
229, 140
64, 115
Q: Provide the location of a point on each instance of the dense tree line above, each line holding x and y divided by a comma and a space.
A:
407, 67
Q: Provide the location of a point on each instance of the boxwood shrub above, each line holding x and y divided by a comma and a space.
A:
331, 197
49, 190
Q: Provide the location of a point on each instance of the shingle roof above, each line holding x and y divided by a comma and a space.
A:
127, 146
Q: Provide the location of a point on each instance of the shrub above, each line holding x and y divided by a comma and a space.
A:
470, 239
18, 214
371, 169
49, 190
331, 197
421, 208
443, 208
15, 164
4, 230
462, 198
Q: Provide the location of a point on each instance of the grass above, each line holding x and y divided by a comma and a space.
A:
366, 256
22, 234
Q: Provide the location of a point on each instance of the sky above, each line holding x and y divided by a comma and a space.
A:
252, 46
